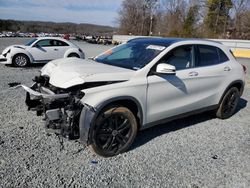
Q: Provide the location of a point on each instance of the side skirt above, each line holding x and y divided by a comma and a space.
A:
180, 116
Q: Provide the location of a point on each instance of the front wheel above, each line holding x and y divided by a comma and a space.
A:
228, 104
20, 60
114, 132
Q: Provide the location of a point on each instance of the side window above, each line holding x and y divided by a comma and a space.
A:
180, 57
60, 43
223, 56
45, 43
207, 55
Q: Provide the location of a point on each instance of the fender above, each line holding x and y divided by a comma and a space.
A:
89, 114
72, 50
15, 51
230, 85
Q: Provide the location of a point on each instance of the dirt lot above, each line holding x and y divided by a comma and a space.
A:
199, 151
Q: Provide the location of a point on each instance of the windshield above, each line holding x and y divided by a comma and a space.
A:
30, 42
131, 55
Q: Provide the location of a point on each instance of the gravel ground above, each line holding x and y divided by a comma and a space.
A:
199, 151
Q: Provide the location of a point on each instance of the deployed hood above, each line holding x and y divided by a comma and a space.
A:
68, 72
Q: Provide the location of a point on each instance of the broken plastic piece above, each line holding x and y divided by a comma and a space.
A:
13, 84
94, 162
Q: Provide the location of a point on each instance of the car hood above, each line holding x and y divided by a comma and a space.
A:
13, 46
68, 72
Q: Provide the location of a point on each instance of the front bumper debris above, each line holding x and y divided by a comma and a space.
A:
61, 111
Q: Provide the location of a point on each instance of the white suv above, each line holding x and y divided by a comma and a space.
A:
105, 101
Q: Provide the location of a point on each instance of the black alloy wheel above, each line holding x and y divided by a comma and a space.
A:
114, 132
228, 104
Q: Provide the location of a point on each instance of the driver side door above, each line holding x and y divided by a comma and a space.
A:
171, 95
44, 50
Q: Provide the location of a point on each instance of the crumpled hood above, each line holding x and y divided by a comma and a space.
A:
68, 72
13, 46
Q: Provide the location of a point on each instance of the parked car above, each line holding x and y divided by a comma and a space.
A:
136, 85
40, 50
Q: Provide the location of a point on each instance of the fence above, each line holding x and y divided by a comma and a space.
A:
240, 48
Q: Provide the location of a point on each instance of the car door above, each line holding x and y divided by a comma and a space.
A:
61, 48
170, 95
44, 50
213, 69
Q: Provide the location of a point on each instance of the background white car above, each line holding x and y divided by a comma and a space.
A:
40, 50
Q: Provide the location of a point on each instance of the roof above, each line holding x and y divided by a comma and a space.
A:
167, 41
57, 38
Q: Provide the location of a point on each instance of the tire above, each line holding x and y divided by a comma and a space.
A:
114, 131
20, 60
74, 55
228, 103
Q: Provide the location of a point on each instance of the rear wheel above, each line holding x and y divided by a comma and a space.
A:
20, 60
114, 132
74, 55
228, 104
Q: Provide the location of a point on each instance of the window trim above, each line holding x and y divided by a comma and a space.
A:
153, 68
61, 42
42, 46
198, 55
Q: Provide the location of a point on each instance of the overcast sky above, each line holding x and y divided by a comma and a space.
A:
102, 12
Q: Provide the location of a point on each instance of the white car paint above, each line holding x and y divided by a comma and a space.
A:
159, 96
41, 54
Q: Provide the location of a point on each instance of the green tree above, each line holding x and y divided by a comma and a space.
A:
190, 22
217, 16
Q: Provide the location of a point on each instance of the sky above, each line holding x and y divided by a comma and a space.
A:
101, 12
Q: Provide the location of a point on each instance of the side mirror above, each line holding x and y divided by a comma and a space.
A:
36, 46
164, 68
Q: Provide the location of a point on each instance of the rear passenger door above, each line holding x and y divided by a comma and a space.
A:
211, 68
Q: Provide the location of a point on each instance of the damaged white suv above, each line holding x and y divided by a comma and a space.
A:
105, 101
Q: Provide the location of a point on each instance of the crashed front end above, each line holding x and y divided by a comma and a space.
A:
61, 108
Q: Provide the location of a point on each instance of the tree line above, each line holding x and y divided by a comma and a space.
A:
186, 18
51, 27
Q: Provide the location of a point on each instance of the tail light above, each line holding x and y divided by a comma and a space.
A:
244, 69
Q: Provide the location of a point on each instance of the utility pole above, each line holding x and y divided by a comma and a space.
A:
151, 25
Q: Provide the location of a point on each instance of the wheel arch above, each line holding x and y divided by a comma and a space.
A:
70, 51
89, 114
127, 101
239, 84
30, 57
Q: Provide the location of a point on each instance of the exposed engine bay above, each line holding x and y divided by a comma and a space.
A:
61, 107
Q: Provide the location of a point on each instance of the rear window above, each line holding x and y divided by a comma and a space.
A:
60, 43
207, 55
223, 56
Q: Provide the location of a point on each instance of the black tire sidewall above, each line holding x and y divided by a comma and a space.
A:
119, 109
73, 55
219, 112
23, 55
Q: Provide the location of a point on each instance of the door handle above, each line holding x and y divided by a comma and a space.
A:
56, 49
227, 68
193, 73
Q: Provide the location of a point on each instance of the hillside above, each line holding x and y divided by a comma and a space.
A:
52, 27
